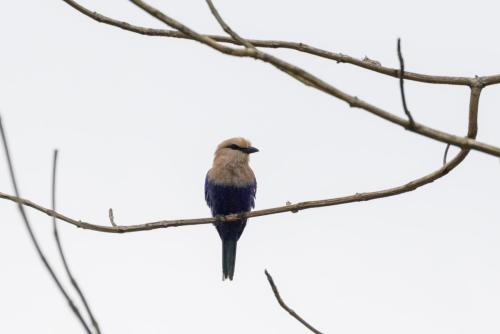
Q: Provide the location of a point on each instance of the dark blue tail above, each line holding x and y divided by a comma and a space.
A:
228, 258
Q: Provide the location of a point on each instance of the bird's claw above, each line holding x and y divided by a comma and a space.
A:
219, 218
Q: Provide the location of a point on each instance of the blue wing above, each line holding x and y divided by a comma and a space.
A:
207, 193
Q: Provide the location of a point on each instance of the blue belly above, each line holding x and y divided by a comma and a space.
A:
223, 199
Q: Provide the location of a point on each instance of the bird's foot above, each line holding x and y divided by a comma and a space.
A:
219, 219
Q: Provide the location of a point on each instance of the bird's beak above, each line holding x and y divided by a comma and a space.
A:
249, 150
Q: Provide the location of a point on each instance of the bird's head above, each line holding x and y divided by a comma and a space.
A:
234, 150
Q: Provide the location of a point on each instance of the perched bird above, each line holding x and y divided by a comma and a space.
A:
230, 187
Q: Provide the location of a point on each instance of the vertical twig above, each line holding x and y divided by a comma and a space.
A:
111, 217
285, 307
401, 85
445, 156
33, 237
72, 279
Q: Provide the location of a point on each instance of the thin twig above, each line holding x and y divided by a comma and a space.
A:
72, 279
33, 238
249, 47
446, 154
401, 84
226, 27
285, 307
111, 217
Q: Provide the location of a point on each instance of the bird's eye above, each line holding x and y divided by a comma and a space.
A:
233, 147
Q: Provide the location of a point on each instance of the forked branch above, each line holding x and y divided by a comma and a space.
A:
214, 41
315, 82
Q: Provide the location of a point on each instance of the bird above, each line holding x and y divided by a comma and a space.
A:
230, 188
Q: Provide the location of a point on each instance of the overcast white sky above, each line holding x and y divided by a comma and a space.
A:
137, 118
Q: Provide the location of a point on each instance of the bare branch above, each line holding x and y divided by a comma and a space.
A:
285, 307
190, 32
33, 238
72, 279
300, 47
250, 48
313, 81
401, 84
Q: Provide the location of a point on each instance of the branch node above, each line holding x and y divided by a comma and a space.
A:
477, 82
251, 50
288, 203
371, 61
354, 103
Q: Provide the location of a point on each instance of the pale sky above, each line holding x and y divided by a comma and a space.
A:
137, 118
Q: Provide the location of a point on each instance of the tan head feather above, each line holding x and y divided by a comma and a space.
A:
230, 165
